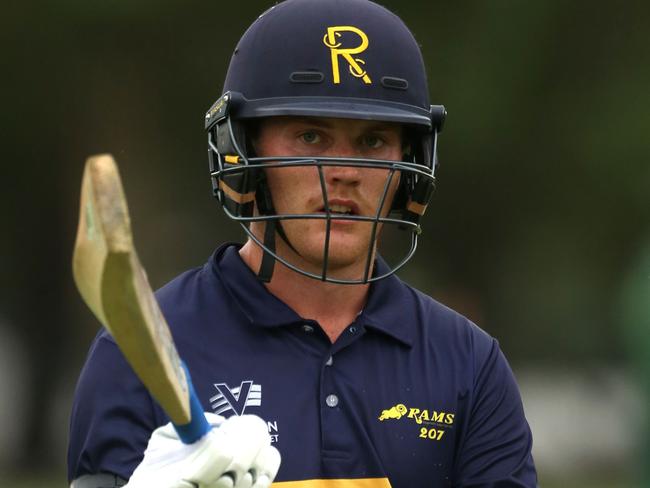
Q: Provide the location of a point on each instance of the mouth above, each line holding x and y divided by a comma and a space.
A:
341, 207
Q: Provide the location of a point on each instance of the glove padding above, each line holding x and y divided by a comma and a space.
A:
236, 453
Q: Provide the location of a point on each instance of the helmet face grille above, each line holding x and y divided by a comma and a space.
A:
337, 59
239, 184
237, 206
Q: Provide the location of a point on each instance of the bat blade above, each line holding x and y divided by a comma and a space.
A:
114, 285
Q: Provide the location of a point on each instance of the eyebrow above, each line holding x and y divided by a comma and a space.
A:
324, 123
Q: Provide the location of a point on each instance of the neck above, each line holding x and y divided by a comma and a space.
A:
332, 305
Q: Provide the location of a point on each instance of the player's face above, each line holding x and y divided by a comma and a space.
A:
350, 190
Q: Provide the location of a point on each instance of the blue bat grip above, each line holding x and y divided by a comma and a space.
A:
198, 426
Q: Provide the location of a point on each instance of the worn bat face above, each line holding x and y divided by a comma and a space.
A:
112, 282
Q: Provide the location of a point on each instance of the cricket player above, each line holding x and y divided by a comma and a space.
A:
302, 343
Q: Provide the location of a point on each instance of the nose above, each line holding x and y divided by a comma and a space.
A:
341, 173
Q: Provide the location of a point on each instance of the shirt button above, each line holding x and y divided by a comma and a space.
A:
332, 401
353, 330
329, 361
307, 328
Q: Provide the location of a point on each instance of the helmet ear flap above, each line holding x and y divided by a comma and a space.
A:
404, 189
418, 200
225, 143
419, 189
238, 181
412, 187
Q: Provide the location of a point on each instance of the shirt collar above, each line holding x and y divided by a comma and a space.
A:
251, 296
390, 308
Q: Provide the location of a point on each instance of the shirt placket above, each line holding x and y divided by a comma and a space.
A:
338, 451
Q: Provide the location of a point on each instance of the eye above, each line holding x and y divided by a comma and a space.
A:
372, 141
310, 137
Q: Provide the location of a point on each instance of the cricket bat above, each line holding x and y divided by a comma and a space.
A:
114, 285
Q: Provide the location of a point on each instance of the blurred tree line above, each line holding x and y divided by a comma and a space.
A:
542, 203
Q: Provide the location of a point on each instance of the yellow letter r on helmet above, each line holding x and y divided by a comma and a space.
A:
331, 40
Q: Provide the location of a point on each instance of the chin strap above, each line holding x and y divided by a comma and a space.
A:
272, 226
265, 273
268, 261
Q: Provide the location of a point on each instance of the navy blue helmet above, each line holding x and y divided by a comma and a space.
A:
323, 58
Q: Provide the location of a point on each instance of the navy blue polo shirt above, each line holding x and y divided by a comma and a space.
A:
410, 395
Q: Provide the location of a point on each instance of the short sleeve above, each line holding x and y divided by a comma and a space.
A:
495, 450
112, 415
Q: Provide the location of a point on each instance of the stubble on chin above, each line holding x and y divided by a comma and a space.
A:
347, 253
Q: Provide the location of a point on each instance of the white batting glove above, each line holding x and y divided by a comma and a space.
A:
236, 453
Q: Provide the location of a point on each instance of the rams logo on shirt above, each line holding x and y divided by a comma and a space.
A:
437, 421
395, 412
418, 415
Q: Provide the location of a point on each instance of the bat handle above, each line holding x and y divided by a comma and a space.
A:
198, 426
